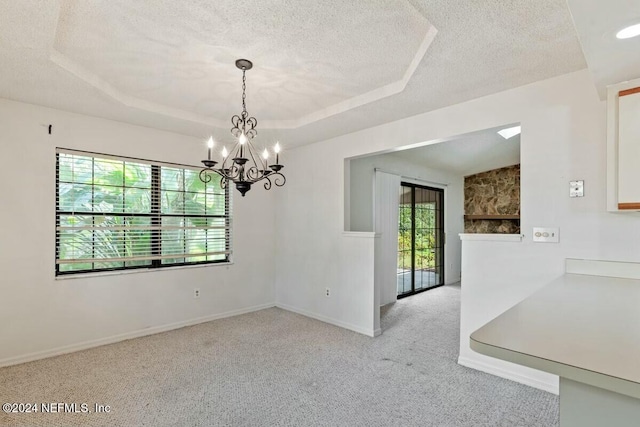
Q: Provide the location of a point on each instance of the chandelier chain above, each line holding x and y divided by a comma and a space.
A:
244, 92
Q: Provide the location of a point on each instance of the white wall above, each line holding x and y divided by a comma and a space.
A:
40, 315
563, 138
496, 276
362, 172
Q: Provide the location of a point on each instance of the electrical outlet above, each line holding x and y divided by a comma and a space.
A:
327, 292
196, 292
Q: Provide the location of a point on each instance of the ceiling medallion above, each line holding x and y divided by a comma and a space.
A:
243, 165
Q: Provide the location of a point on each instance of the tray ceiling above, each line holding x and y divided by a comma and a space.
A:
322, 68
178, 57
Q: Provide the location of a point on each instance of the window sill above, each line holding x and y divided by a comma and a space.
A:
138, 271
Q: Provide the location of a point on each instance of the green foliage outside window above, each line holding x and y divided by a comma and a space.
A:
425, 237
105, 215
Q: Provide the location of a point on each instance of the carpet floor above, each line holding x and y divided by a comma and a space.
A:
277, 368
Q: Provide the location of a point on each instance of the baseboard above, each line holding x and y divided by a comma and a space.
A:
126, 336
551, 387
345, 325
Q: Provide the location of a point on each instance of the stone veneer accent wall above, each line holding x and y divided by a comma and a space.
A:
495, 192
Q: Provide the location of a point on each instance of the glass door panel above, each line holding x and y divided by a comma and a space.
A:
420, 239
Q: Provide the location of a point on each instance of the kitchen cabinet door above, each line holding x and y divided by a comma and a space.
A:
629, 149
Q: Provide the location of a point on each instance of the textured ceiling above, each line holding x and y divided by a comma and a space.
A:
467, 154
610, 60
178, 57
322, 68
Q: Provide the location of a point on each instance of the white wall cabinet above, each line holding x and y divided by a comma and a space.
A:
623, 147
629, 149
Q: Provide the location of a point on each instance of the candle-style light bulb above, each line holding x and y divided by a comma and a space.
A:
225, 153
243, 140
265, 156
210, 145
277, 151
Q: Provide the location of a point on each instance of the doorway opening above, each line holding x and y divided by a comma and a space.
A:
420, 239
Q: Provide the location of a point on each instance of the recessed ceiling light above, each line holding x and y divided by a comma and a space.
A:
509, 132
628, 32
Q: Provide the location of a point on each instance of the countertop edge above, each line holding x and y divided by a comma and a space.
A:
596, 379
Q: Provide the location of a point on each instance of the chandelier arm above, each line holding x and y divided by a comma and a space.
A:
255, 174
267, 184
279, 179
224, 164
251, 149
232, 153
231, 173
205, 175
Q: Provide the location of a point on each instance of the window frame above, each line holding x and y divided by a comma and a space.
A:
155, 215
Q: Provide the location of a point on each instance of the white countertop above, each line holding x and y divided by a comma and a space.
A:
585, 328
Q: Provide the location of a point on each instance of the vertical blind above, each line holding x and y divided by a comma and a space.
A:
117, 213
386, 223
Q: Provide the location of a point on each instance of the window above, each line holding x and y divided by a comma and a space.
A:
115, 213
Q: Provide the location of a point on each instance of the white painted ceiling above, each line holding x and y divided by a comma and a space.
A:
321, 68
610, 60
466, 154
178, 57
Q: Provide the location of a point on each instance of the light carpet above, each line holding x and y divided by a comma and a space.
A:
276, 368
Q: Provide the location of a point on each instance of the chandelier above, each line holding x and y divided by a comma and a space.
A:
242, 165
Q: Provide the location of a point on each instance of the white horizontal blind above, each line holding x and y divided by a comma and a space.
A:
117, 213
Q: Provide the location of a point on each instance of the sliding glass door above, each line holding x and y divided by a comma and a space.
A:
420, 239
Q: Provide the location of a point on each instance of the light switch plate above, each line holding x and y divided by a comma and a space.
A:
546, 235
576, 188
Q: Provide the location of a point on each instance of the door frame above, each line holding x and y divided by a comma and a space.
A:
432, 187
